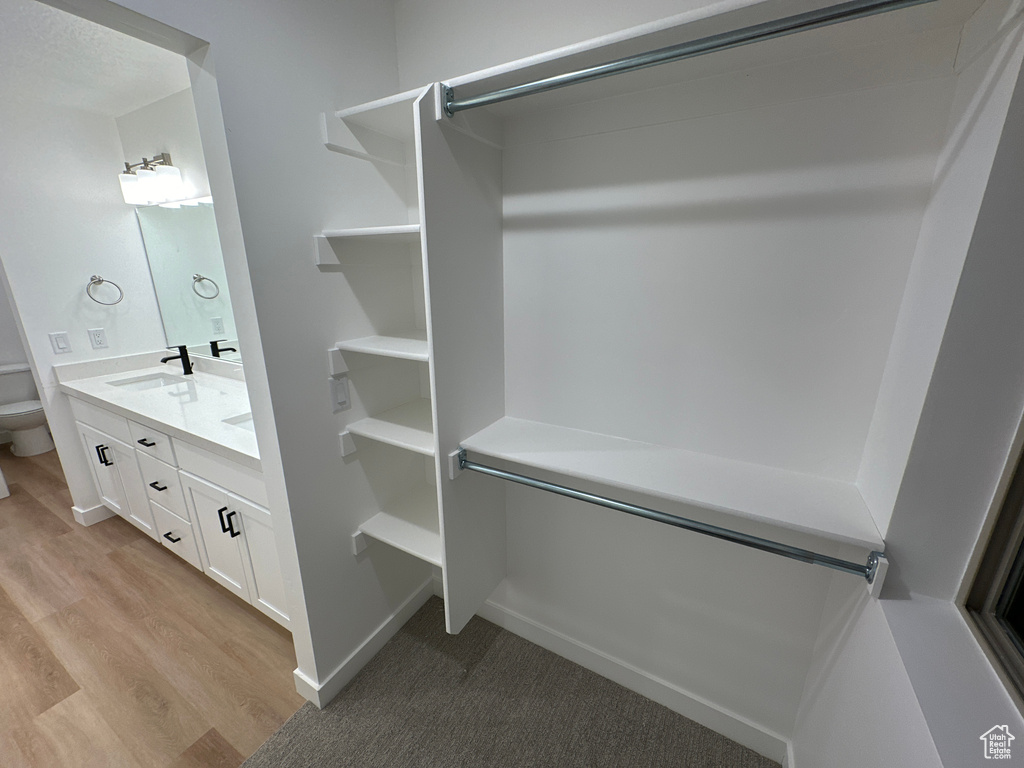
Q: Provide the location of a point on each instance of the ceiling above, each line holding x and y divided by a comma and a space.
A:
52, 56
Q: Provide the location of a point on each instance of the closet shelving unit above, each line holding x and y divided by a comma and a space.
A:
398, 350
455, 217
509, 364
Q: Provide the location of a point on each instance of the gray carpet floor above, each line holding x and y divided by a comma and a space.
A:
486, 697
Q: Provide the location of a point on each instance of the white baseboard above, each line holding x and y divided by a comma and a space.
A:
729, 724
321, 693
92, 515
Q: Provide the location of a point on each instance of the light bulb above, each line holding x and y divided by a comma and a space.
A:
131, 190
168, 180
148, 185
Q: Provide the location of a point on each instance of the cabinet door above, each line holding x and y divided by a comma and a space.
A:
117, 478
108, 485
220, 533
267, 586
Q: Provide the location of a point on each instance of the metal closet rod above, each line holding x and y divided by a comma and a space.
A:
855, 9
867, 570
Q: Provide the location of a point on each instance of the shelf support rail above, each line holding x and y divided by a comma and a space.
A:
848, 11
875, 566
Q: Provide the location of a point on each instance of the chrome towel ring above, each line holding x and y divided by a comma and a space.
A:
196, 279
97, 280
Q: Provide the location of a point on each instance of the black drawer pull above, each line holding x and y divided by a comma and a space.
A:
170, 537
155, 485
146, 442
101, 452
223, 523
231, 527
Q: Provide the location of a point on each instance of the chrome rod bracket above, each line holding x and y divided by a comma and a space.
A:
456, 460
448, 97
873, 571
878, 566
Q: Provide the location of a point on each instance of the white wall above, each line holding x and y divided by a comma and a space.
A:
64, 220
982, 95
858, 706
168, 125
961, 445
11, 348
719, 284
975, 399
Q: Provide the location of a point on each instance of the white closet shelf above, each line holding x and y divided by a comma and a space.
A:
395, 233
824, 507
408, 346
379, 131
408, 426
391, 116
331, 244
409, 524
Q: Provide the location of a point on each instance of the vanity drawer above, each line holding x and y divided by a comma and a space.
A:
152, 442
176, 534
162, 484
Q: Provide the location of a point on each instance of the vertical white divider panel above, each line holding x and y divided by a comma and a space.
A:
460, 195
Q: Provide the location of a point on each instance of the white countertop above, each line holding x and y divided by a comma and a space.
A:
198, 411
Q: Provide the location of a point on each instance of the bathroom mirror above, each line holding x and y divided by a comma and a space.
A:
185, 261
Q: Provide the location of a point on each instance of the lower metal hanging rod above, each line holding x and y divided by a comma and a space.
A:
866, 570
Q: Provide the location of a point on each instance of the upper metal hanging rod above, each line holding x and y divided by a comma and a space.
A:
856, 9
866, 570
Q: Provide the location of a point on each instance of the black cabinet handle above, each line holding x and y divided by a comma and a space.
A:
155, 485
171, 538
144, 441
226, 524
101, 452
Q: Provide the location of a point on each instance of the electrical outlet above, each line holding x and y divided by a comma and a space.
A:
60, 342
339, 394
218, 324
98, 338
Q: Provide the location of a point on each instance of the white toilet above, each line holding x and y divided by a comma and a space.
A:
21, 413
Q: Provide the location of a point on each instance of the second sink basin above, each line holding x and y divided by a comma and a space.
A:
242, 420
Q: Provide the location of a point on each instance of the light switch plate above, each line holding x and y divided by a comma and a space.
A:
339, 394
60, 342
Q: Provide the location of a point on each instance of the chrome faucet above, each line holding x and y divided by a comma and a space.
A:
216, 349
186, 364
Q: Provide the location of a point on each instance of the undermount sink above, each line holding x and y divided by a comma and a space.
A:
148, 381
244, 421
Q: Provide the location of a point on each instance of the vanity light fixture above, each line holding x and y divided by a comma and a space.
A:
151, 181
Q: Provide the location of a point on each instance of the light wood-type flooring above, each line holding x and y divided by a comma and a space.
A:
115, 653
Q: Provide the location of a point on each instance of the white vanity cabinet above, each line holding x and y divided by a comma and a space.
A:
237, 545
208, 509
117, 477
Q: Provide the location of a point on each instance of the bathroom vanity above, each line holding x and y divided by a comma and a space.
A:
176, 456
